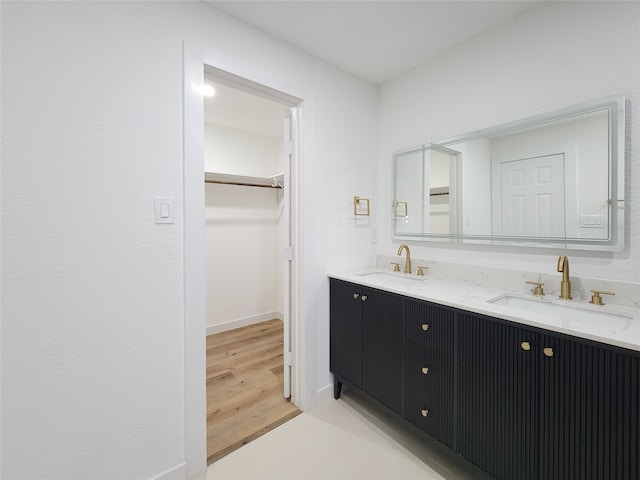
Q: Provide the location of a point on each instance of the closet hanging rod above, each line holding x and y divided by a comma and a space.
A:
244, 184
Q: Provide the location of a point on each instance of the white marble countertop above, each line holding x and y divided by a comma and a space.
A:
476, 297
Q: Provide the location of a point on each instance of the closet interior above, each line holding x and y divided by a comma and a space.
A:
246, 236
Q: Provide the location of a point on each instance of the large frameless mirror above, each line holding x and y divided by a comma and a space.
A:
551, 180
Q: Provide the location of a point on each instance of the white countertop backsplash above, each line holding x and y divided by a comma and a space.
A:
470, 288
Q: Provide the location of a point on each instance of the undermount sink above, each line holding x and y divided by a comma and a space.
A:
397, 277
577, 316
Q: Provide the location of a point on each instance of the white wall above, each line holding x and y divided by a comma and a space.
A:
244, 230
234, 152
244, 255
554, 56
243, 258
92, 290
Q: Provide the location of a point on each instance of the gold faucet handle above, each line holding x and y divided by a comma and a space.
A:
421, 270
396, 266
538, 290
596, 299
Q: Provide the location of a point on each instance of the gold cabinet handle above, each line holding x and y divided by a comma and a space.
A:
356, 295
548, 351
425, 370
364, 298
425, 326
596, 299
425, 412
526, 346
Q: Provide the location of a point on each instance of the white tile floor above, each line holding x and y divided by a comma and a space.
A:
344, 439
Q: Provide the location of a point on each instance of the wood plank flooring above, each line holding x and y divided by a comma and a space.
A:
244, 386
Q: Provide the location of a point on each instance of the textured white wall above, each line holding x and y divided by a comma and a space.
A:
554, 56
92, 289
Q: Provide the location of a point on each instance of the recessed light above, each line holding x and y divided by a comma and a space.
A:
207, 90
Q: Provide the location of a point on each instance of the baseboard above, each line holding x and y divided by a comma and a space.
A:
243, 322
177, 472
324, 395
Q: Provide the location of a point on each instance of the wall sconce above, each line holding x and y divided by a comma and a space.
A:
361, 206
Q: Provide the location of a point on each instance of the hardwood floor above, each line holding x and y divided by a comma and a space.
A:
244, 386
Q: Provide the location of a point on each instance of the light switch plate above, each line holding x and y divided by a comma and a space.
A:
164, 210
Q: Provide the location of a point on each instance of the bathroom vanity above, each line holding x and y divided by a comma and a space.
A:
518, 393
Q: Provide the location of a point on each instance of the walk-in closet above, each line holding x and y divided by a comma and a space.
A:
246, 235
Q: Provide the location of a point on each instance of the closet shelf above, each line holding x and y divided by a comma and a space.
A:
274, 181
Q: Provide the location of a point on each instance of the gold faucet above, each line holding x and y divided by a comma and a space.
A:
407, 267
565, 284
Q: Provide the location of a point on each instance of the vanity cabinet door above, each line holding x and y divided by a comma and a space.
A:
382, 347
589, 412
366, 341
543, 406
498, 376
345, 345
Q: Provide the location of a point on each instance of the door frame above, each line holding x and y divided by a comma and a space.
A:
195, 59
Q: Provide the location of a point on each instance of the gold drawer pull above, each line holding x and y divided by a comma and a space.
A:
364, 298
425, 326
356, 295
425, 412
526, 346
425, 370
548, 352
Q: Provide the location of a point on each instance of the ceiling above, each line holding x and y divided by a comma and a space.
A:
375, 40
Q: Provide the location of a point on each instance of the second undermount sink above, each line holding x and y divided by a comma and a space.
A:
577, 316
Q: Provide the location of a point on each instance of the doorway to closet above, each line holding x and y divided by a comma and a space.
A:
247, 161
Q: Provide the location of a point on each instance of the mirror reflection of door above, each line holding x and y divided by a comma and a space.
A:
532, 197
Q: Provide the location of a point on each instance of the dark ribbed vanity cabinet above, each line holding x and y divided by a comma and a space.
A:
366, 341
497, 406
520, 403
534, 405
428, 380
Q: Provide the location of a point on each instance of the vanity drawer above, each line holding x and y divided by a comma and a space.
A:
431, 412
427, 367
429, 325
